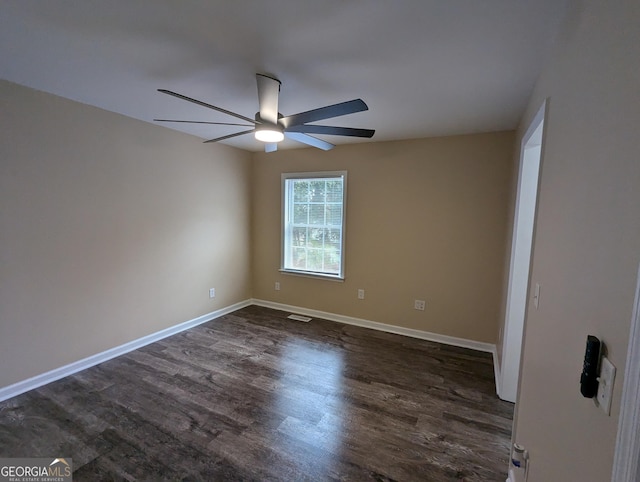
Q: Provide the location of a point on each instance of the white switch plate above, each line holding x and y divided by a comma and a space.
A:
361, 294
536, 296
605, 384
277, 285
212, 293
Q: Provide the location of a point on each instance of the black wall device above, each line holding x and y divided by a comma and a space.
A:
589, 377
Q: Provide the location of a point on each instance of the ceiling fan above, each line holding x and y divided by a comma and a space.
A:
271, 127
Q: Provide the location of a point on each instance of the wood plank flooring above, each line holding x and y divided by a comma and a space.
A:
255, 396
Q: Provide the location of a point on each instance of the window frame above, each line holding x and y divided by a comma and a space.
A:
285, 216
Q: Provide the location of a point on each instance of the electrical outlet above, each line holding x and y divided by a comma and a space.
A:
212, 293
277, 285
361, 294
419, 304
605, 384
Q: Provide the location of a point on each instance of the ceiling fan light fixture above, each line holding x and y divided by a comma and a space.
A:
269, 133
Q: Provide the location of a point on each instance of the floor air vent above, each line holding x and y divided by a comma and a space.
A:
299, 318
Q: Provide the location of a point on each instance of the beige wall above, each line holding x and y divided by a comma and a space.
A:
110, 229
587, 246
426, 219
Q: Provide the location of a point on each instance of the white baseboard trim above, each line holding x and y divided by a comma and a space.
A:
61, 372
66, 370
496, 370
374, 325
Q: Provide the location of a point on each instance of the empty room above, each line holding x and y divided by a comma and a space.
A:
341, 240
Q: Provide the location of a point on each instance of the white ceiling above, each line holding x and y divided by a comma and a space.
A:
424, 67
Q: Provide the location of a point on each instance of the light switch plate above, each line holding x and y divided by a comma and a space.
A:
605, 384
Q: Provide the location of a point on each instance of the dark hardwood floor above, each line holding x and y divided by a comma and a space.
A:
255, 396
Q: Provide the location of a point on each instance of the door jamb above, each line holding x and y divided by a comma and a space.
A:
626, 462
538, 118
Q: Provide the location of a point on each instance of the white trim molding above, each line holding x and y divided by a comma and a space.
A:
496, 371
626, 462
66, 370
398, 330
61, 372
523, 234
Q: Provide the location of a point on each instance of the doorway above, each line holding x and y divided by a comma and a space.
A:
626, 462
522, 242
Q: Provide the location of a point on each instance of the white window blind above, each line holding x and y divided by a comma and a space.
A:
313, 223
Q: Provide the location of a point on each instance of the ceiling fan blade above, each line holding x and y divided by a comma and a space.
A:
335, 110
204, 104
202, 122
268, 90
309, 140
271, 147
229, 136
332, 130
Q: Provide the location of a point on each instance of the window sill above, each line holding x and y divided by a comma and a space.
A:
308, 274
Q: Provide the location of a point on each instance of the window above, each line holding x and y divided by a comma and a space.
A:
313, 223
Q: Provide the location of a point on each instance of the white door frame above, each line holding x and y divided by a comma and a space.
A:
521, 251
626, 462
